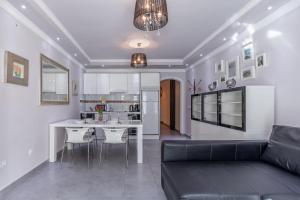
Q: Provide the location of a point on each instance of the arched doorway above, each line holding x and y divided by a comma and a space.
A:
170, 96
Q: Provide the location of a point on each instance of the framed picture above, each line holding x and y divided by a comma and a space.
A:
248, 73
223, 79
219, 67
233, 69
75, 89
16, 69
261, 60
248, 52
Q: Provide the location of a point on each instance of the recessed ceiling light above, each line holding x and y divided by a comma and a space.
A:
186, 65
170, 65
103, 65
270, 8
85, 64
234, 37
23, 7
273, 34
250, 29
75, 54
238, 23
224, 39
58, 38
201, 54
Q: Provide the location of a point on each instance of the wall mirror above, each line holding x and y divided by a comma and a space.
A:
54, 82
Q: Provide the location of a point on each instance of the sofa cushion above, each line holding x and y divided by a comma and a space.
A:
281, 197
283, 149
232, 179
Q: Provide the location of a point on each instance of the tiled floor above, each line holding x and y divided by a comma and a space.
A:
167, 134
110, 182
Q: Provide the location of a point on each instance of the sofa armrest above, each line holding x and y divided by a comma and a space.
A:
195, 150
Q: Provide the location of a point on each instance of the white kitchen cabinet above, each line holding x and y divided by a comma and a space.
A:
150, 81
133, 83
61, 83
118, 82
103, 84
48, 82
90, 83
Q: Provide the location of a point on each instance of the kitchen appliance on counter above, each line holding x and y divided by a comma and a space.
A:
150, 112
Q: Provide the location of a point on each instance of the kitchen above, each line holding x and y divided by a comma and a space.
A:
126, 96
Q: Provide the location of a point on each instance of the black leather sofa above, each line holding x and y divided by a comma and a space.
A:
233, 170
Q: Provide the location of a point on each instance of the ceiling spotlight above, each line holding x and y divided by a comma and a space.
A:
75, 54
270, 8
235, 36
170, 66
23, 7
186, 65
238, 23
250, 29
58, 38
224, 39
103, 65
201, 54
273, 34
85, 64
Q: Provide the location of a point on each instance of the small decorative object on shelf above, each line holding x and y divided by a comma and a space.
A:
213, 86
231, 83
100, 109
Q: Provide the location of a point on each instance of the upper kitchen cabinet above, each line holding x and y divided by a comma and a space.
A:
133, 83
150, 81
118, 82
90, 83
103, 84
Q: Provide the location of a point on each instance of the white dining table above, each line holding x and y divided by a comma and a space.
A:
55, 129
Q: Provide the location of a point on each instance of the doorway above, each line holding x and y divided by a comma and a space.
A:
170, 107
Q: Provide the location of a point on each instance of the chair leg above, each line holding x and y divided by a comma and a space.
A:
62, 154
73, 154
100, 155
88, 155
126, 154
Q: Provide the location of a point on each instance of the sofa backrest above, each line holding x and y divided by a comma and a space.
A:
283, 149
194, 150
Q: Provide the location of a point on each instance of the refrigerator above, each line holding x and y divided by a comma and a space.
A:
150, 112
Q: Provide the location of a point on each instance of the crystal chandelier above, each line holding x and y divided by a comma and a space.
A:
150, 15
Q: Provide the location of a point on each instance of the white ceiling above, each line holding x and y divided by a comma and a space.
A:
99, 31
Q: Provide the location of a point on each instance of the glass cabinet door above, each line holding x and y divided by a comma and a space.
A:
210, 107
196, 107
232, 108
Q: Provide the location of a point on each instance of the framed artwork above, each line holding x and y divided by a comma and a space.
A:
219, 67
75, 89
233, 68
248, 73
248, 52
16, 69
261, 60
223, 79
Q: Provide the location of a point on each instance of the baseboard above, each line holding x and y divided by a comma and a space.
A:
21, 178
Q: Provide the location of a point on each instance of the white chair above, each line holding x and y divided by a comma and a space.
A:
115, 136
77, 136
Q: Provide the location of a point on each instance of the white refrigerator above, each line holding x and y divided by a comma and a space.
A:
150, 112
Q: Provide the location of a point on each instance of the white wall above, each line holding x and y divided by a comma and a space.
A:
23, 122
283, 71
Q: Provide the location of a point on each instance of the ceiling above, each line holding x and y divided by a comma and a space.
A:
97, 32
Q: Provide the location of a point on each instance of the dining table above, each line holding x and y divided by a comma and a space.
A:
57, 131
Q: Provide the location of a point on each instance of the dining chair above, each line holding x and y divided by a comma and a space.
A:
77, 136
115, 136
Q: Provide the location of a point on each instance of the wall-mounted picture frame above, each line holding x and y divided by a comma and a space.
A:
223, 79
220, 66
248, 73
16, 69
261, 60
248, 52
75, 88
233, 68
